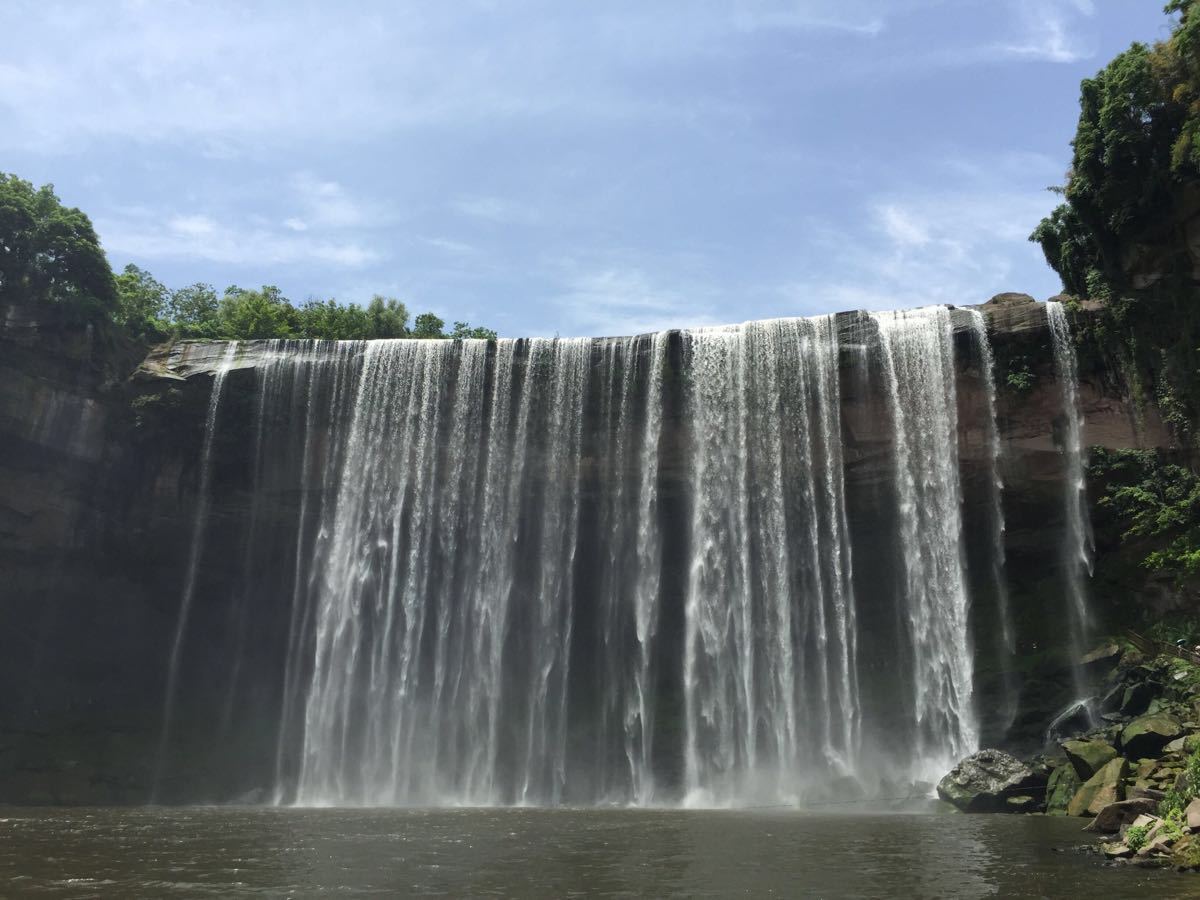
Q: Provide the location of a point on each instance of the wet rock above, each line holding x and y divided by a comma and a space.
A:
1023, 803
1075, 719
1064, 782
1105, 787
1124, 812
1116, 851
1193, 815
1088, 757
1136, 698
1147, 735
1106, 654
984, 781
1141, 791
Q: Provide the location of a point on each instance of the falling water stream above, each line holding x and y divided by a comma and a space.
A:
615, 571
196, 551
1077, 534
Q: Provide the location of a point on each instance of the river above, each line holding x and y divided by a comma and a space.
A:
540, 853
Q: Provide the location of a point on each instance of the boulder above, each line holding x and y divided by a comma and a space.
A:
1124, 812
1022, 803
1117, 851
1136, 698
1064, 782
1074, 719
1088, 757
1105, 654
984, 781
1147, 735
1193, 815
1105, 787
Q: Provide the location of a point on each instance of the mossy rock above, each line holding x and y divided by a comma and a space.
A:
1105, 787
984, 781
1147, 735
1064, 783
1088, 757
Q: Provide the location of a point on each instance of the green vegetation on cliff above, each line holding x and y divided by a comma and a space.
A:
1126, 240
1128, 233
51, 256
1156, 505
1135, 177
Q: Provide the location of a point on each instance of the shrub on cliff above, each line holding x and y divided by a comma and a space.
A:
1153, 505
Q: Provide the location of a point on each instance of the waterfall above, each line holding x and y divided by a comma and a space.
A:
771, 694
918, 358
995, 490
1077, 535
620, 571
199, 521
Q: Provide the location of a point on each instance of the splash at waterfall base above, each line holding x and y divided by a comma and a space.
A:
682, 568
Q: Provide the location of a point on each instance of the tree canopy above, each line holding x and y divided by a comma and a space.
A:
1135, 174
50, 255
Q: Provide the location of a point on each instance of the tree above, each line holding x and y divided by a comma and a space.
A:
142, 302
329, 320
246, 314
389, 317
49, 253
464, 330
1135, 174
193, 311
427, 325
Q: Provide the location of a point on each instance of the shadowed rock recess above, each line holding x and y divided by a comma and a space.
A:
778, 562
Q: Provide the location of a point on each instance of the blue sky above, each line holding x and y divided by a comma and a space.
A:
579, 167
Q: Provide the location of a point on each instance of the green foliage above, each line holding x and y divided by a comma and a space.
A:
1120, 237
246, 314
49, 254
1174, 825
1155, 502
194, 311
1019, 379
1135, 837
1173, 806
142, 302
1136, 168
388, 317
427, 325
463, 330
1170, 629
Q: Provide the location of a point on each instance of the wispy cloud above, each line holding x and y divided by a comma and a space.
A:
625, 300
200, 238
1050, 32
496, 210
953, 246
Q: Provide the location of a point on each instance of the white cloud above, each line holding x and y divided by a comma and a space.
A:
972, 242
202, 238
901, 227
327, 204
1050, 32
495, 209
605, 302
192, 226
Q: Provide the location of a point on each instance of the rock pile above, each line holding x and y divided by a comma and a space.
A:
1134, 770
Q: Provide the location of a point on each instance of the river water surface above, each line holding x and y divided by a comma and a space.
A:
528, 853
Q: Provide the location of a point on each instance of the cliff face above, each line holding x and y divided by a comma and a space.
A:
98, 489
